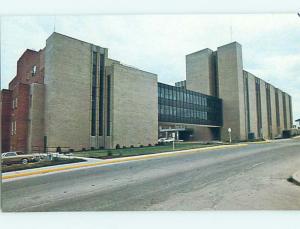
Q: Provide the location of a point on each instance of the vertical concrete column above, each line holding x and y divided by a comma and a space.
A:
288, 111
264, 112
231, 90
281, 113
252, 105
291, 110
273, 111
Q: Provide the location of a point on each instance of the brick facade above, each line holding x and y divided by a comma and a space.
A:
6, 107
15, 101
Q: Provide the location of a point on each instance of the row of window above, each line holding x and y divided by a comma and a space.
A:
182, 112
184, 106
180, 94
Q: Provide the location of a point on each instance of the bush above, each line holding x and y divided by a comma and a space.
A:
92, 148
118, 146
109, 153
149, 145
83, 149
141, 146
132, 146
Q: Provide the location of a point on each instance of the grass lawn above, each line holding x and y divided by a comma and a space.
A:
59, 161
115, 153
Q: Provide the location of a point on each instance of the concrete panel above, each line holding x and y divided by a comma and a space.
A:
273, 111
134, 107
252, 105
67, 92
288, 114
281, 115
231, 90
36, 118
291, 111
199, 72
264, 114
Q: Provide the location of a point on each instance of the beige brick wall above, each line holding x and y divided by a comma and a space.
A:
231, 90
134, 107
273, 111
288, 118
252, 104
67, 92
291, 111
36, 118
264, 114
199, 72
280, 102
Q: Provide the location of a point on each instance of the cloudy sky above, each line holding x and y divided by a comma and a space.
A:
159, 43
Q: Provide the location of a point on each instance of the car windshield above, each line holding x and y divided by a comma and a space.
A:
9, 154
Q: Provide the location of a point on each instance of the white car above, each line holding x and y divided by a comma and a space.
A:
161, 140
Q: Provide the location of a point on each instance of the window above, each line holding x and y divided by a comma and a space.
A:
108, 104
101, 95
13, 127
94, 94
183, 106
33, 70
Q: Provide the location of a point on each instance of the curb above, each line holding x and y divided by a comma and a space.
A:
117, 160
296, 178
260, 142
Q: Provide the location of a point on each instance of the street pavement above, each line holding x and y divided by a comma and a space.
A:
253, 177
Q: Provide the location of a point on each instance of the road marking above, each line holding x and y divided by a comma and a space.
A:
257, 164
118, 160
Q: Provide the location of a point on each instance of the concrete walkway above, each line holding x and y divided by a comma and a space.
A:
88, 161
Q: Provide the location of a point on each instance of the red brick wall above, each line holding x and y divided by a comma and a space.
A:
20, 89
19, 140
25, 63
6, 103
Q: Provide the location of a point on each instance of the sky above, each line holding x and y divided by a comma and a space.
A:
159, 43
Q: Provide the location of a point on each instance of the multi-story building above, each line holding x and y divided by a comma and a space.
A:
252, 108
70, 94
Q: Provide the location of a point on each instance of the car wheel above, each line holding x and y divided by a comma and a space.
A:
24, 161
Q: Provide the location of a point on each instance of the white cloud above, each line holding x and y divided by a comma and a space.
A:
159, 43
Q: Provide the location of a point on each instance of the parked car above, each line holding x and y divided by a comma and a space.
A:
9, 158
162, 140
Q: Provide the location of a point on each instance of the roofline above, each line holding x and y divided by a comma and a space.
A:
74, 39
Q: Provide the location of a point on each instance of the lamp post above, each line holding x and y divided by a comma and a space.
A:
229, 133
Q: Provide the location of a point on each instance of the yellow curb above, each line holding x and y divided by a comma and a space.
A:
113, 161
260, 142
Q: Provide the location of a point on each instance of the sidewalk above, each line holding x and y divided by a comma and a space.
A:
88, 161
91, 162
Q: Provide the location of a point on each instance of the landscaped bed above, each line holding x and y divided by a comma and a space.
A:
44, 163
116, 153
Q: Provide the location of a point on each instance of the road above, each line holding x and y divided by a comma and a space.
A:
241, 178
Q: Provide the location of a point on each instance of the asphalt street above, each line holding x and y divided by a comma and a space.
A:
252, 177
